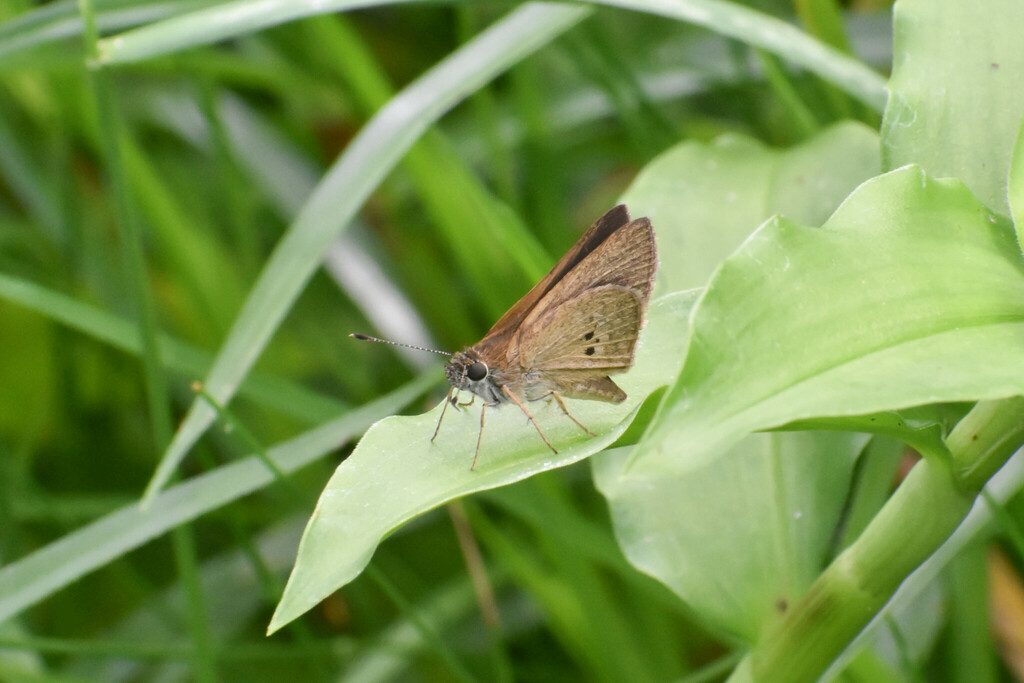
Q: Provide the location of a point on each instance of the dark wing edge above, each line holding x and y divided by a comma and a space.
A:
628, 258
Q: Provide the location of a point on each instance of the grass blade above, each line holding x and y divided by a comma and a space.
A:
776, 36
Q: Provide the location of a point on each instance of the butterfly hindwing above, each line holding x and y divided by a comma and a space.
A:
595, 331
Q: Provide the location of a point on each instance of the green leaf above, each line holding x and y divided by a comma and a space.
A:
705, 199
396, 473
955, 101
743, 538
767, 510
912, 293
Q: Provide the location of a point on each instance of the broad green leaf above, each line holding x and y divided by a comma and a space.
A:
912, 293
396, 473
705, 199
741, 539
955, 96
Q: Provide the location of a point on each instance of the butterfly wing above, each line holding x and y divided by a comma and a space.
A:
576, 346
585, 328
627, 258
596, 329
493, 345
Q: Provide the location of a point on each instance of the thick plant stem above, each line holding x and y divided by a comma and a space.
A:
927, 507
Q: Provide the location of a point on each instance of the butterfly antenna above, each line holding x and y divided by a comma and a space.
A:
365, 337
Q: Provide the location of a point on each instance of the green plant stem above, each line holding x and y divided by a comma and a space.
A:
927, 507
983, 441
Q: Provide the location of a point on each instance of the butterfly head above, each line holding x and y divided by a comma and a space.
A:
467, 371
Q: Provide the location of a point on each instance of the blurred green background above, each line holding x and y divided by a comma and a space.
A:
202, 157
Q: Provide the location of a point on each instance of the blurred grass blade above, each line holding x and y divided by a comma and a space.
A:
391, 653
776, 36
28, 181
58, 20
452, 192
364, 164
32, 578
218, 23
288, 397
113, 145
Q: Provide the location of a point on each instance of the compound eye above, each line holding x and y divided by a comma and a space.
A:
477, 371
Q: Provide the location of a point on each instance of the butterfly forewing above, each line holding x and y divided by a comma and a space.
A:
496, 339
627, 258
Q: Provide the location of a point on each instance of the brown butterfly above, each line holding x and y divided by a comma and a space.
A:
577, 326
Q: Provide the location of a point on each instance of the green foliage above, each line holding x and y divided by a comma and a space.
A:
832, 292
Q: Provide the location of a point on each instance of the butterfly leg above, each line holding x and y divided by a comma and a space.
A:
451, 399
470, 402
519, 403
561, 404
480, 436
